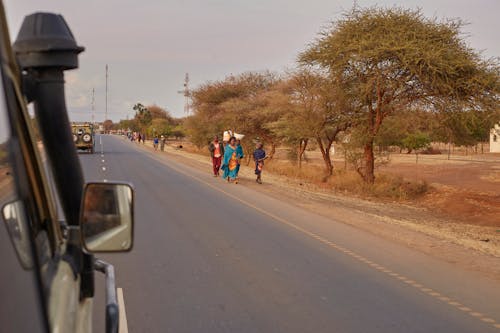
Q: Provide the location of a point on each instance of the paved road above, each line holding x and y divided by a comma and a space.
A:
217, 257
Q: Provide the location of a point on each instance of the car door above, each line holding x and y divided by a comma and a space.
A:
22, 301
47, 295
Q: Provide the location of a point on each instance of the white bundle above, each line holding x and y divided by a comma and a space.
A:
227, 135
239, 136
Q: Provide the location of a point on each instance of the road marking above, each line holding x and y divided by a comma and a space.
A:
488, 320
102, 157
123, 325
350, 253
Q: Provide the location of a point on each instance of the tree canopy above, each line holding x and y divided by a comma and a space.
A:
394, 59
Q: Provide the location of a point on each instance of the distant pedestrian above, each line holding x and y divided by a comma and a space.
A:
139, 138
156, 141
143, 138
259, 155
216, 149
162, 143
230, 161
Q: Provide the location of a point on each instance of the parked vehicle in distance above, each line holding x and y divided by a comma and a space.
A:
83, 136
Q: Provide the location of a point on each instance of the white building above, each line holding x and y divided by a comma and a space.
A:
495, 139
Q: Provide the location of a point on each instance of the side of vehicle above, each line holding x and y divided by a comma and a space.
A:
83, 137
37, 174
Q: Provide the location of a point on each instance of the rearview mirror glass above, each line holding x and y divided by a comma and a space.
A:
107, 217
18, 228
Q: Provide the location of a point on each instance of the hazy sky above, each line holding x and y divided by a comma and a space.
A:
150, 44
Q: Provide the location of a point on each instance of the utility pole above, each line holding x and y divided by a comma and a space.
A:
93, 106
106, 112
187, 94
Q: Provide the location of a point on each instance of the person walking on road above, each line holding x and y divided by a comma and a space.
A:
156, 141
230, 161
259, 155
162, 143
216, 152
239, 155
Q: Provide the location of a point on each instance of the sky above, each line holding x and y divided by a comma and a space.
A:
149, 45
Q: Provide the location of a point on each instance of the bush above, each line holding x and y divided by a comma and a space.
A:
348, 182
416, 141
385, 186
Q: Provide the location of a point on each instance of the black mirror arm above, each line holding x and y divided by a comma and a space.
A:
112, 310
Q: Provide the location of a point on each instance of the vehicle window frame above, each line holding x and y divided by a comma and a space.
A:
29, 182
43, 204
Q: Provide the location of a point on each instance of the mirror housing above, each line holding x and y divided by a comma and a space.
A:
107, 217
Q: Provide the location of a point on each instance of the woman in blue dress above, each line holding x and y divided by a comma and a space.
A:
239, 155
230, 163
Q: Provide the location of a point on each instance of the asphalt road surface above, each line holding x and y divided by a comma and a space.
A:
216, 257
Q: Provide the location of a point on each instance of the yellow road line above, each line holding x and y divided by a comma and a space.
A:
350, 253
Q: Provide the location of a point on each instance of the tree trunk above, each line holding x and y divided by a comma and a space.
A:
273, 150
345, 158
325, 152
369, 172
301, 150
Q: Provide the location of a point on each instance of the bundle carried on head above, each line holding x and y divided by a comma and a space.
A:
239, 136
227, 135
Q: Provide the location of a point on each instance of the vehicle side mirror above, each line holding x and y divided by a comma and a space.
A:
18, 228
107, 217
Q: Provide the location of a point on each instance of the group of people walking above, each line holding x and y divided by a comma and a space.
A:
159, 142
227, 156
138, 137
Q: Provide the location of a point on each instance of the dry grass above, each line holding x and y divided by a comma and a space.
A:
387, 186
349, 182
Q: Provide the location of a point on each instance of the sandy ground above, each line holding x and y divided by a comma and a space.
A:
466, 189
475, 247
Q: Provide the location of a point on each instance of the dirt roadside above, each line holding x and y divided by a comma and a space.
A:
475, 248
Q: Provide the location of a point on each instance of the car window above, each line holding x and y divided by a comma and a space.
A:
19, 310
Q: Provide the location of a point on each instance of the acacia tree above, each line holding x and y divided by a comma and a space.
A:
143, 116
239, 103
393, 58
292, 125
321, 112
108, 125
